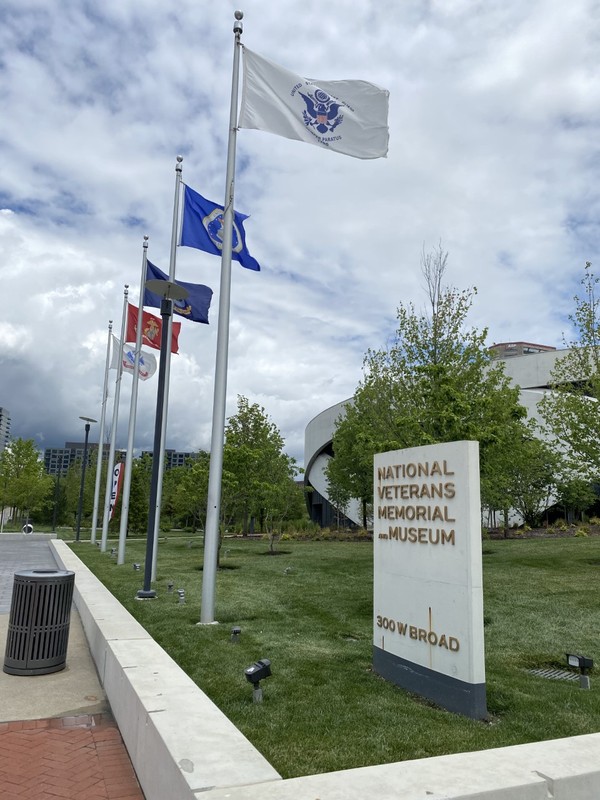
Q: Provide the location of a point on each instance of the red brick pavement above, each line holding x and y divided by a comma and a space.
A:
68, 758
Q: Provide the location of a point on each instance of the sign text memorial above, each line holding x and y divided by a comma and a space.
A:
428, 590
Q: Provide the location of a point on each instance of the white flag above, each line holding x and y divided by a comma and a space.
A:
348, 117
147, 365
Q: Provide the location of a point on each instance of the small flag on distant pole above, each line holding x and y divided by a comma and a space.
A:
194, 307
349, 116
147, 362
117, 482
202, 228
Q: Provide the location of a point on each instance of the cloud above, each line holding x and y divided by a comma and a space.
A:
494, 119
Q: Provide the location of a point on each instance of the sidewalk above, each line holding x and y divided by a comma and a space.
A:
58, 738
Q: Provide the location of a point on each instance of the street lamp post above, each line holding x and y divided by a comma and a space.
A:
87, 421
169, 291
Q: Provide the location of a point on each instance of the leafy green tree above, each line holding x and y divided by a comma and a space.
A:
434, 382
191, 492
72, 487
23, 481
139, 495
570, 411
256, 465
575, 495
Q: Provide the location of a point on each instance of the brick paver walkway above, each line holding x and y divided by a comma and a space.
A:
68, 758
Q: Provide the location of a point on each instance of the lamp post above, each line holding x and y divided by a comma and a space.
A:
169, 291
57, 493
87, 421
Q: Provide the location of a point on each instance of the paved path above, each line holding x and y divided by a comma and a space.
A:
57, 736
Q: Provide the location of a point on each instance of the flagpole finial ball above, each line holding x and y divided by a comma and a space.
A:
238, 15
180, 159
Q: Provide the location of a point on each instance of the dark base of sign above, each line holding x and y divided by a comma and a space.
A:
464, 698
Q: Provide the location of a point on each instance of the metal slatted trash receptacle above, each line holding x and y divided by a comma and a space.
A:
38, 626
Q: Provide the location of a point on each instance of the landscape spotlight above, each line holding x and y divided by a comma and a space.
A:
136, 567
170, 586
254, 674
583, 664
181, 593
235, 634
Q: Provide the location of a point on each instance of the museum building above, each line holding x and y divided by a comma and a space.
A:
528, 366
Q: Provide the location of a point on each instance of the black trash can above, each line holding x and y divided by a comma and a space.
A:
38, 627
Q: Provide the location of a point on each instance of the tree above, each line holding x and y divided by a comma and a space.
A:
570, 410
191, 492
256, 467
23, 481
434, 382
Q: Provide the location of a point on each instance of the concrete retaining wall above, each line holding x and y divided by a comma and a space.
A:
181, 744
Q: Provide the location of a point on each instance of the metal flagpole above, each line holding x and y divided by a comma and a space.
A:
163, 432
132, 414
213, 512
101, 437
113, 428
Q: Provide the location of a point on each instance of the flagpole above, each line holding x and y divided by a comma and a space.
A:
132, 414
101, 437
113, 427
213, 511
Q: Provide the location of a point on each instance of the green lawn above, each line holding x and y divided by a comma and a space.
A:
309, 610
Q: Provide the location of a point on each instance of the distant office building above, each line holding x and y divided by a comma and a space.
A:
59, 459
4, 427
174, 458
509, 349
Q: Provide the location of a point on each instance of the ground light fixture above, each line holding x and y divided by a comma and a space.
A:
235, 634
255, 674
181, 594
583, 664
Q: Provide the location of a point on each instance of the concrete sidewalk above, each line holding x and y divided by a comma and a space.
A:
57, 735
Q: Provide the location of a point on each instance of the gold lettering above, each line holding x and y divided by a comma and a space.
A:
446, 470
447, 538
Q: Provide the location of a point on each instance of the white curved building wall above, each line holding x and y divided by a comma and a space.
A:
531, 373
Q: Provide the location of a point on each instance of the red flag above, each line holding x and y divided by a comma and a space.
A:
117, 482
151, 329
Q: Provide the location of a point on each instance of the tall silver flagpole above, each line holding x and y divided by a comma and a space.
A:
132, 414
113, 427
101, 436
213, 512
163, 432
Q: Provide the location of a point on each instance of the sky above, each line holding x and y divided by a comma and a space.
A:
494, 154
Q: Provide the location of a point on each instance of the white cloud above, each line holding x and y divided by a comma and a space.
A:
493, 150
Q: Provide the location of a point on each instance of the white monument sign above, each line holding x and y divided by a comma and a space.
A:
428, 589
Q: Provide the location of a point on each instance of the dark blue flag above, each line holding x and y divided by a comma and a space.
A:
195, 306
202, 228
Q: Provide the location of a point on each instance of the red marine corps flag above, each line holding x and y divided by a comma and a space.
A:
151, 329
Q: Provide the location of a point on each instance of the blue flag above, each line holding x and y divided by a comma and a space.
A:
202, 228
195, 306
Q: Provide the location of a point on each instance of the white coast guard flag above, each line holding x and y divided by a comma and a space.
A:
349, 117
147, 364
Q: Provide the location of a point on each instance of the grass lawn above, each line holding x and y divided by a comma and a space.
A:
309, 610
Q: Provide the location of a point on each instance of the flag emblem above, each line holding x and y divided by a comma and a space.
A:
151, 331
213, 224
321, 111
